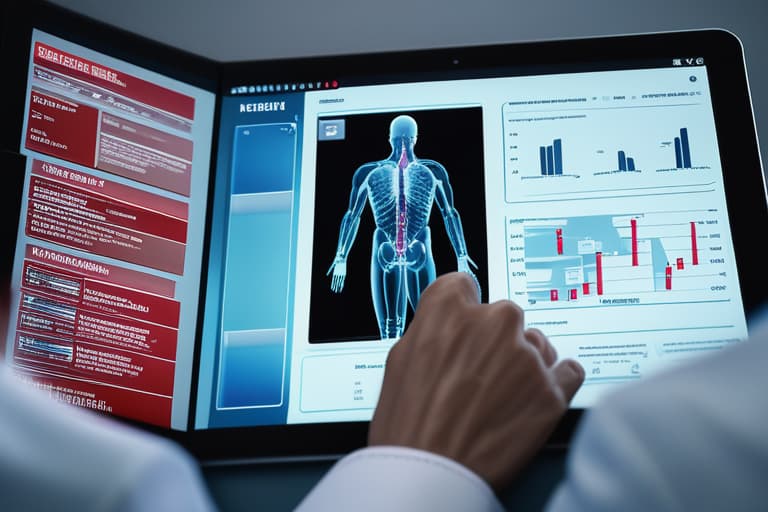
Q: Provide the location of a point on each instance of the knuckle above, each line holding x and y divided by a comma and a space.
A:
465, 281
448, 289
507, 312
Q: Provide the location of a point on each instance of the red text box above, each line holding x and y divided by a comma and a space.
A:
62, 128
143, 407
114, 80
70, 265
110, 189
144, 154
61, 226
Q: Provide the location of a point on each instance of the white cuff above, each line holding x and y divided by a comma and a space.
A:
386, 478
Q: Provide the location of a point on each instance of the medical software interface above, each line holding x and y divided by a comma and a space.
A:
595, 200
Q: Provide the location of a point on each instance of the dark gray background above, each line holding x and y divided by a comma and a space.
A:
229, 30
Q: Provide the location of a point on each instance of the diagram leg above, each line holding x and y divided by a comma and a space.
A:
388, 288
420, 276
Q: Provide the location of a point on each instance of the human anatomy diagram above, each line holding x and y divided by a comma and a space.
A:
401, 191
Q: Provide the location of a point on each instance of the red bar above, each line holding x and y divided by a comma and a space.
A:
599, 264
668, 277
680, 264
694, 249
553, 295
585, 289
633, 222
574, 294
559, 233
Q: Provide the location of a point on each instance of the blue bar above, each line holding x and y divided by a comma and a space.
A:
251, 368
678, 154
543, 159
630, 164
550, 160
263, 158
558, 149
685, 147
622, 161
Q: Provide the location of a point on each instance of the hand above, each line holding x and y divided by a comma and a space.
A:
339, 269
466, 381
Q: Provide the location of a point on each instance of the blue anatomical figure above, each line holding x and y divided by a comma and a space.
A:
401, 191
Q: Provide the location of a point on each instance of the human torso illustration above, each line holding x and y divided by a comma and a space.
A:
401, 191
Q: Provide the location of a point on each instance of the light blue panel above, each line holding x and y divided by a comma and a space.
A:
256, 283
263, 158
251, 368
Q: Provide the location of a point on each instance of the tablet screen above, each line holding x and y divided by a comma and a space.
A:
592, 196
105, 282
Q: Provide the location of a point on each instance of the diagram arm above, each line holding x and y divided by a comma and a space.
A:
349, 225
444, 200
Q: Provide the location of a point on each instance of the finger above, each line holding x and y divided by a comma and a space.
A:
464, 285
569, 375
469, 286
537, 338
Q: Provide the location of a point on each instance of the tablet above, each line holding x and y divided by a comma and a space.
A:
229, 264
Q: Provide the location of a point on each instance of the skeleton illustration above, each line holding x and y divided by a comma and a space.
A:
401, 191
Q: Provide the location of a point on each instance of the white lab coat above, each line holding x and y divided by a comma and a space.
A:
56, 457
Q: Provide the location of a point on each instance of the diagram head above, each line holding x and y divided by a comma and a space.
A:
403, 131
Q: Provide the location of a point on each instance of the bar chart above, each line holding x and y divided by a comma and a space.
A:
605, 260
604, 151
682, 150
626, 163
626, 293
551, 158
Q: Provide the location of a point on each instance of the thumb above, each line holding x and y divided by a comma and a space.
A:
569, 375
